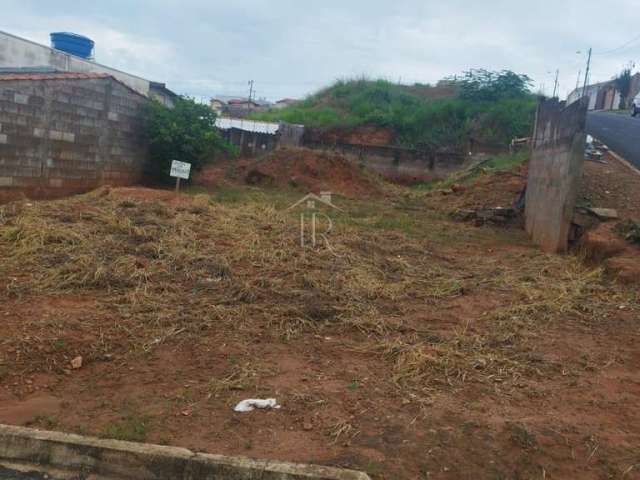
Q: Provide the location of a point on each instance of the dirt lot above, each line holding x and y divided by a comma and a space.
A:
612, 185
409, 346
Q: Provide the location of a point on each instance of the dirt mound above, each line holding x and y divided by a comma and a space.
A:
620, 259
490, 190
312, 171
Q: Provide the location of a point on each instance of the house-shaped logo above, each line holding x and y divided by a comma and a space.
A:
310, 200
310, 204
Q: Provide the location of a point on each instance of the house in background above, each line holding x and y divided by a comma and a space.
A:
284, 103
67, 123
217, 105
238, 107
635, 88
605, 95
253, 137
17, 53
602, 96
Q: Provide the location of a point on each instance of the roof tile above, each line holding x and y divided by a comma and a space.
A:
52, 76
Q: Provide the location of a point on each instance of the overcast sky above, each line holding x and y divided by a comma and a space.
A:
291, 48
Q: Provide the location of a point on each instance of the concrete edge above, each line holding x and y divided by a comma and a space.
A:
112, 459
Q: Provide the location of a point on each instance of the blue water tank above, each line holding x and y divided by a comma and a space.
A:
72, 43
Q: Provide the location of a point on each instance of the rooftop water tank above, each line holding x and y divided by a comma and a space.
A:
72, 43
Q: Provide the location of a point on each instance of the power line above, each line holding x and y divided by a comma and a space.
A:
621, 47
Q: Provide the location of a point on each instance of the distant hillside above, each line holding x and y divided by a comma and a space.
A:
440, 116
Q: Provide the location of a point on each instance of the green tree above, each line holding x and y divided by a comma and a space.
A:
485, 85
185, 132
623, 84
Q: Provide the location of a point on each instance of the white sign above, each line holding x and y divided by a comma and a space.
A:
180, 169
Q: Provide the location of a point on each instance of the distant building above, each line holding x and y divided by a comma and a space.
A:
285, 102
238, 106
217, 105
243, 102
602, 96
17, 52
159, 91
605, 95
254, 137
635, 88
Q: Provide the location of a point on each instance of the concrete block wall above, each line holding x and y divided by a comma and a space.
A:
398, 164
65, 136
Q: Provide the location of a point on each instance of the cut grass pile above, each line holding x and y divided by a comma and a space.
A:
170, 272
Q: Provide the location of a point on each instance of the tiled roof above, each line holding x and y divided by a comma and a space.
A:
52, 76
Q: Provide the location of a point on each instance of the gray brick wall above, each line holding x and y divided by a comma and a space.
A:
64, 136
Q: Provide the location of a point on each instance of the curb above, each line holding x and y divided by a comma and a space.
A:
624, 162
64, 455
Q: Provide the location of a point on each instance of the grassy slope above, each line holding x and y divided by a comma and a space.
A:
416, 117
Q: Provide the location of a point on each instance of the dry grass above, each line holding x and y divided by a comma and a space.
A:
167, 272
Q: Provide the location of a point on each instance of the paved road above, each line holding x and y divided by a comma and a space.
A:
621, 133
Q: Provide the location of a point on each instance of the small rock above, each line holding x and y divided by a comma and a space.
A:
604, 213
307, 426
76, 363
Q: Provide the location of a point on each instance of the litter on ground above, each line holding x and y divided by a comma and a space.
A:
251, 404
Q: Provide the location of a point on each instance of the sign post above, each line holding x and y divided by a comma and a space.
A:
180, 170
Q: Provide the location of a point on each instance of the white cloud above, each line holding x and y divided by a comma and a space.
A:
208, 47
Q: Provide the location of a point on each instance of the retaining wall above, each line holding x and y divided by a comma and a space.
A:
404, 165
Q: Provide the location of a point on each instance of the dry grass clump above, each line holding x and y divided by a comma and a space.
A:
164, 271
243, 377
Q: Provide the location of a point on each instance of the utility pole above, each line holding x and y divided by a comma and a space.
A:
578, 79
555, 85
250, 94
586, 74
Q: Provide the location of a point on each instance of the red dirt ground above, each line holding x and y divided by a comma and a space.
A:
300, 168
569, 412
495, 189
612, 185
579, 422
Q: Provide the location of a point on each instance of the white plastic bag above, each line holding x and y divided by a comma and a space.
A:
252, 403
